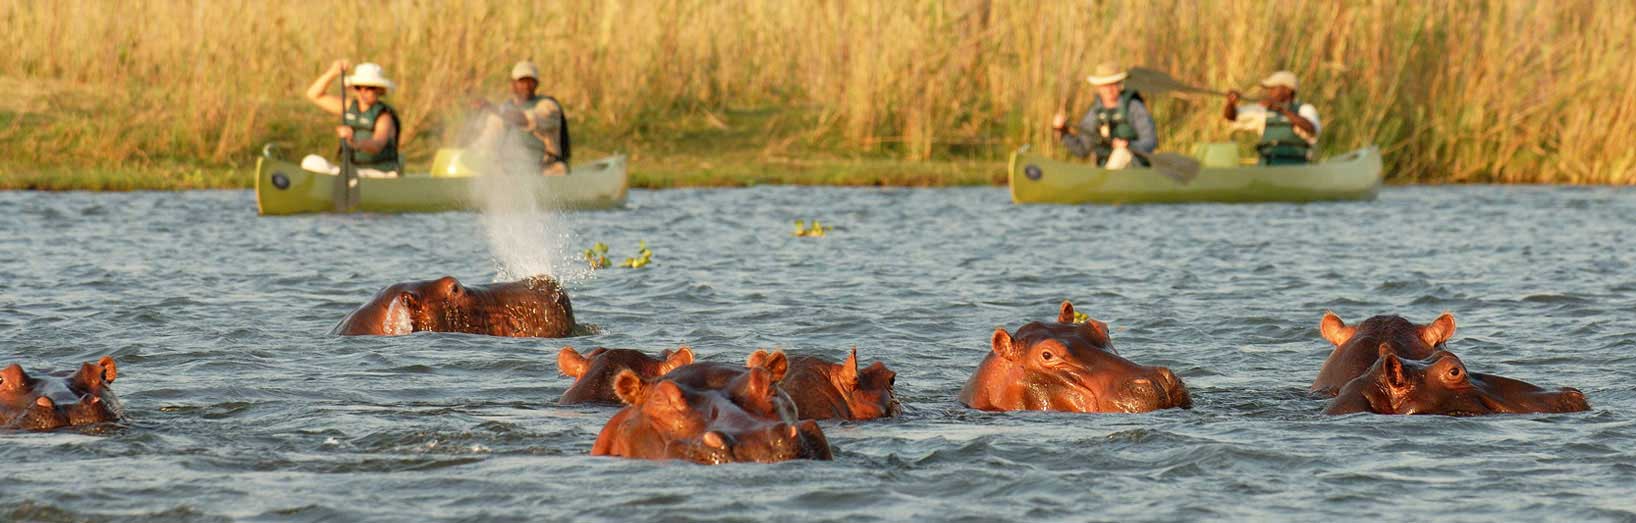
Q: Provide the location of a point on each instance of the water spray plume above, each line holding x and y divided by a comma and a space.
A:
526, 236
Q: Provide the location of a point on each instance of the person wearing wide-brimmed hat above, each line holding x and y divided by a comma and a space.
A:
1117, 123
371, 130
528, 132
1288, 128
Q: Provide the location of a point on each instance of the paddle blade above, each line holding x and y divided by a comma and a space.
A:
1179, 167
1154, 82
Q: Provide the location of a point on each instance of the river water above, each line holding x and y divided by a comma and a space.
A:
242, 407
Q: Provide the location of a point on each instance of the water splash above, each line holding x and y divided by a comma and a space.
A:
526, 235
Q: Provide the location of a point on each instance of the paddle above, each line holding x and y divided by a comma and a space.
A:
345, 198
1153, 82
1176, 166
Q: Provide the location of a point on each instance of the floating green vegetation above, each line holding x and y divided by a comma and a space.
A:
643, 257
597, 256
817, 229
1080, 317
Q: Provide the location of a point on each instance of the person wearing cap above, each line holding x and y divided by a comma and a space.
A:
1117, 124
1288, 128
529, 131
371, 130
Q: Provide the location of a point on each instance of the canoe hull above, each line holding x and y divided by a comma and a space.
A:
282, 187
1037, 178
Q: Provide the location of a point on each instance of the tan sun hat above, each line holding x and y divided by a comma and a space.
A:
369, 74
1107, 73
525, 69
1284, 78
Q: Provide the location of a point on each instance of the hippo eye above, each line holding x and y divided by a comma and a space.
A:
1454, 372
1047, 356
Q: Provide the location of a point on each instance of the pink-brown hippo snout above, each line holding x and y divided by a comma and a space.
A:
1161, 389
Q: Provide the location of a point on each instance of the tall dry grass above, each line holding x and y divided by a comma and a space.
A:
1512, 91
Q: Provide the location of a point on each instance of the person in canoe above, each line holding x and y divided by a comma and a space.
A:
371, 130
1288, 128
528, 132
1117, 123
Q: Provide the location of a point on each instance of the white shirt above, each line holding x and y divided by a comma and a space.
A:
1253, 117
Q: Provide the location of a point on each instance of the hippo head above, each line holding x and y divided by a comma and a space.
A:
1390, 327
533, 307
1440, 384
1355, 345
1068, 367
668, 420
50, 402
824, 389
594, 373
868, 392
753, 387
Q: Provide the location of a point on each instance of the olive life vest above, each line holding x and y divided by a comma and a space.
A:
1279, 141
535, 147
363, 128
1117, 121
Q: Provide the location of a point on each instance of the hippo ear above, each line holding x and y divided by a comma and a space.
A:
109, 370
1065, 314
681, 356
776, 363
1391, 369
629, 387
848, 373
1003, 345
1439, 330
570, 363
1099, 332
1335, 330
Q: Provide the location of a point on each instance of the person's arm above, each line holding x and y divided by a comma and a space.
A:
1231, 112
1300, 122
385, 128
1080, 144
544, 122
1310, 114
319, 94
1147, 137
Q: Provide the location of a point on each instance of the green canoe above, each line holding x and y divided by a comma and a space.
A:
1037, 178
283, 187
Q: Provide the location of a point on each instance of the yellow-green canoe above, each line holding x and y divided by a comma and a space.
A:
283, 187
1037, 178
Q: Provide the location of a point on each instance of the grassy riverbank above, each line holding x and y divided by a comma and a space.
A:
920, 92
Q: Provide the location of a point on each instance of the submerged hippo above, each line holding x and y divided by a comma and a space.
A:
1355, 345
1068, 367
823, 389
1440, 384
534, 307
676, 418
51, 401
594, 373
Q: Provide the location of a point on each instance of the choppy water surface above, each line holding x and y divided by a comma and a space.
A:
243, 408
